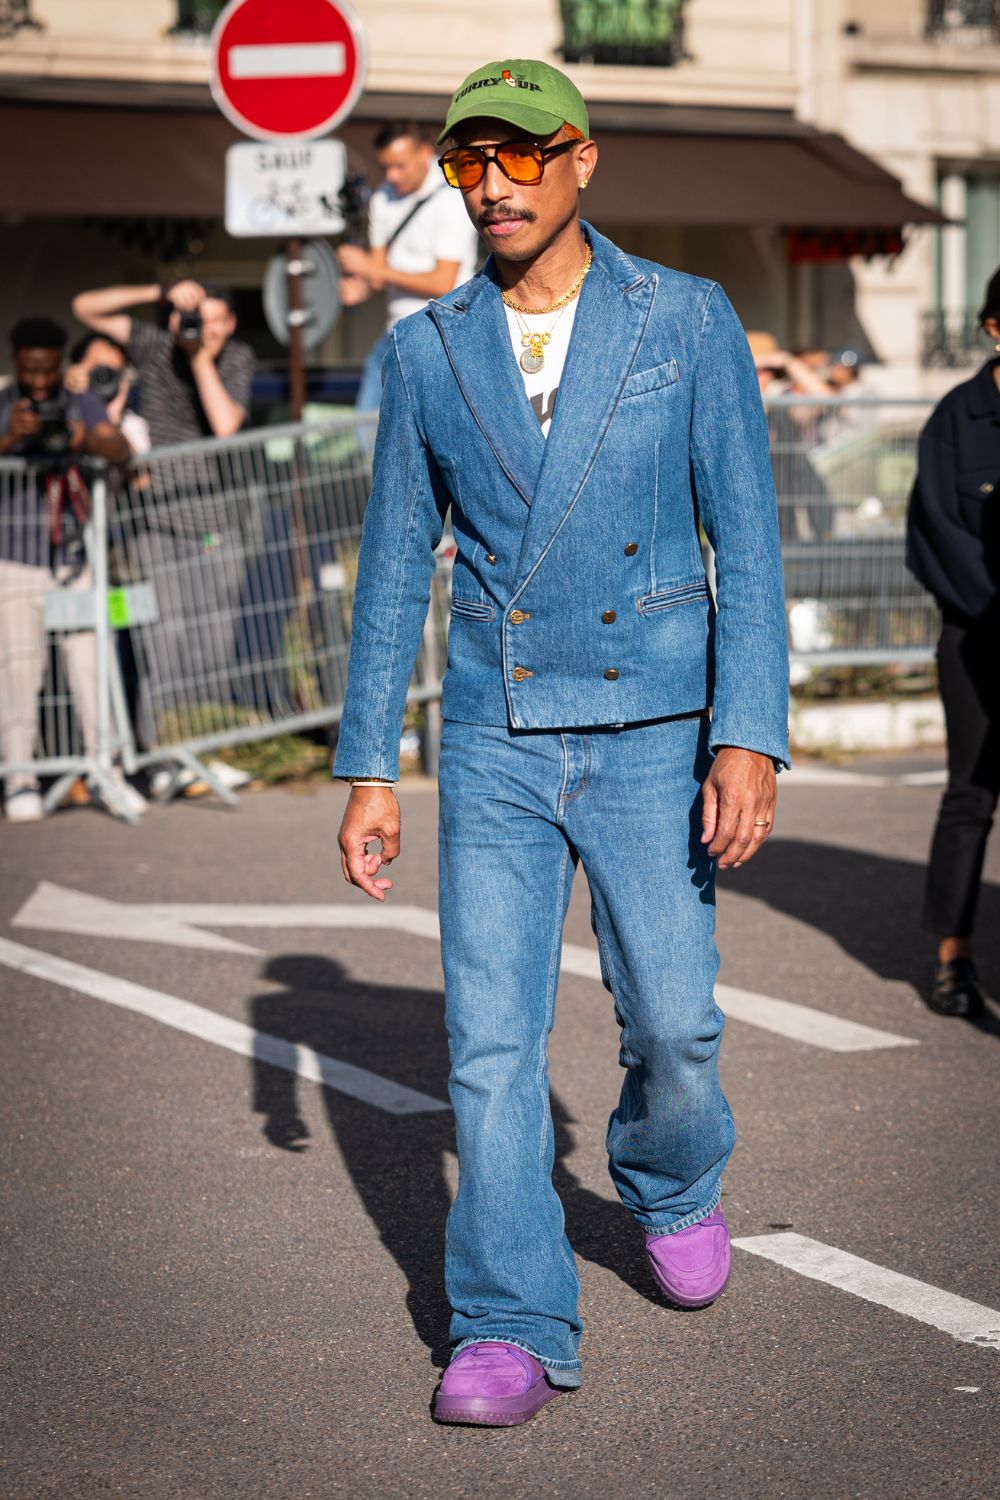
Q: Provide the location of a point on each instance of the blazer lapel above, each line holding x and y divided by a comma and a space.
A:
474, 331
611, 318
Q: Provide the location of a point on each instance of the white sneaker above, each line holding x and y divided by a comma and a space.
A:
133, 799
24, 806
161, 779
230, 776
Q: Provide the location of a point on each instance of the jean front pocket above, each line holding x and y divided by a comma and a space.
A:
683, 593
471, 609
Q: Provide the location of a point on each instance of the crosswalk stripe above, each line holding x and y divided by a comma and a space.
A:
969, 1322
210, 1026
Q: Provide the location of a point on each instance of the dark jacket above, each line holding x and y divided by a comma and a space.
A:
953, 526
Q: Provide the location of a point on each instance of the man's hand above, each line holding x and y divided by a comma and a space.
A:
24, 421
353, 290
372, 813
77, 379
355, 260
186, 295
738, 802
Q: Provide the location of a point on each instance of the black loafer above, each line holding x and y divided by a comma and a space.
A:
956, 990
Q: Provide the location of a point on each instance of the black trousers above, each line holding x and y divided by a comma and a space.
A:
970, 690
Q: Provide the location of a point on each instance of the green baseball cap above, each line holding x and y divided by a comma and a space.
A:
531, 95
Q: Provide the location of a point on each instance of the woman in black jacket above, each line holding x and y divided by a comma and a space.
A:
953, 549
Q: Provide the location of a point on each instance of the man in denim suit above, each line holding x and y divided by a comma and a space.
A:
598, 707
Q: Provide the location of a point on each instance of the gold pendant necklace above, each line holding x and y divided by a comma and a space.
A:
533, 344
517, 307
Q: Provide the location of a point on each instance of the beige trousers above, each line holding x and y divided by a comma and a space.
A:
23, 657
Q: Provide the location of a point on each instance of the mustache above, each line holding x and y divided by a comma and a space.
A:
499, 215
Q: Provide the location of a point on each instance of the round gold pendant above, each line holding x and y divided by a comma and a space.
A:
531, 363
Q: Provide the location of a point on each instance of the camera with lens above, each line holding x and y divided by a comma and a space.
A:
54, 434
353, 201
105, 382
189, 326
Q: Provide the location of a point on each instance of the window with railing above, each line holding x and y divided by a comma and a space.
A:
636, 33
964, 20
196, 17
15, 15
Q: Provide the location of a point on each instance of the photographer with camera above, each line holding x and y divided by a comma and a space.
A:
41, 546
195, 377
193, 537
100, 365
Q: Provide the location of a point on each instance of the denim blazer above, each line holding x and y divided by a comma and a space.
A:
579, 590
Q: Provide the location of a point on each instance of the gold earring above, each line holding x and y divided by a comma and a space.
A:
583, 184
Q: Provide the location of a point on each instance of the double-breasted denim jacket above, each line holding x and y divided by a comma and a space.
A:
579, 595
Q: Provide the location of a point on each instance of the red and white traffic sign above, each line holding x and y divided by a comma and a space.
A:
287, 69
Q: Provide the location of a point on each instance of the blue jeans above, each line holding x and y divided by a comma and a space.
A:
519, 810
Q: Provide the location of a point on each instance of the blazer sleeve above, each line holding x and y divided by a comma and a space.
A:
403, 525
734, 487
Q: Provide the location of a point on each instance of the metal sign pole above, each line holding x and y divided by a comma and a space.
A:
296, 361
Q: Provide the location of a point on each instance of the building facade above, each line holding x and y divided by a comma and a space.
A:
756, 141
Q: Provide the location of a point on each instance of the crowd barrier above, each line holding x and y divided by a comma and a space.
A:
211, 601
843, 471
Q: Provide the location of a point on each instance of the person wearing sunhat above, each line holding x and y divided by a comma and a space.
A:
580, 413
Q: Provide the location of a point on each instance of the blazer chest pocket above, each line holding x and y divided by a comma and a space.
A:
684, 593
644, 381
471, 609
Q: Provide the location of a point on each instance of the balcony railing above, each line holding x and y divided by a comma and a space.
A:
953, 341
968, 21
196, 17
633, 33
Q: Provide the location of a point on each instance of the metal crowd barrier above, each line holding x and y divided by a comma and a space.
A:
62, 714
241, 554
228, 567
843, 471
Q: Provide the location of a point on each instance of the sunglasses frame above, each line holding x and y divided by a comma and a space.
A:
491, 154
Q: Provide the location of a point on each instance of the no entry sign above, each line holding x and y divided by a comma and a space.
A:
287, 69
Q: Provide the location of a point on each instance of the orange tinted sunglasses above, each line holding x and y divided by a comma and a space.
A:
520, 161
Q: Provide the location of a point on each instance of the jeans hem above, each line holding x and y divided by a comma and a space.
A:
695, 1217
553, 1367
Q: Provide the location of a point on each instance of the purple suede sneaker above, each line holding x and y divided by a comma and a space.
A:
692, 1266
492, 1385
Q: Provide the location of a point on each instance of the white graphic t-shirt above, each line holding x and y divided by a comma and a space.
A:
542, 387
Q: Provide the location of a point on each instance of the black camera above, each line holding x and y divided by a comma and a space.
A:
54, 433
105, 382
189, 326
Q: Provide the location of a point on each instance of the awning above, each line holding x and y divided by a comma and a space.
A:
89, 160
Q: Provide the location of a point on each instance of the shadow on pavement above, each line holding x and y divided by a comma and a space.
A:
396, 1162
868, 903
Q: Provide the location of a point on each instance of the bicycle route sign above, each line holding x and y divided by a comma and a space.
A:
284, 189
287, 72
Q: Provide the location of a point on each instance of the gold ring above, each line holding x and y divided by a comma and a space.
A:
763, 823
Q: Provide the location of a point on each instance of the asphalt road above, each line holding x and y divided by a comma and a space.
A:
223, 1279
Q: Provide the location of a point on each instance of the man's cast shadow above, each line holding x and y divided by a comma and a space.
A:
397, 1162
868, 903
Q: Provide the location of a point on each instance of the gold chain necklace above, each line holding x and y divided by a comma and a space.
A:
560, 301
533, 344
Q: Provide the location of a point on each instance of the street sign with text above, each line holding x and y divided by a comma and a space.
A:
274, 189
283, 71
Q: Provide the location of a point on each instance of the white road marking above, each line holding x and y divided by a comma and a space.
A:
182, 1015
969, 1322
819, 775
288, 60
800, 1023
924, 778
53, 908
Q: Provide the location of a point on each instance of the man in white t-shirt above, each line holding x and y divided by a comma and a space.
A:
422, 244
